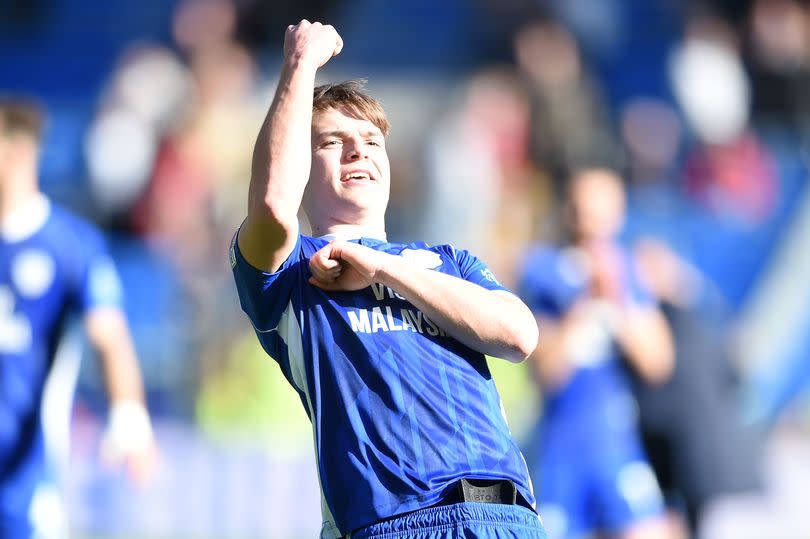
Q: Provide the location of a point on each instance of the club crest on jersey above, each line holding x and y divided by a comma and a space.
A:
32, 272
422, 257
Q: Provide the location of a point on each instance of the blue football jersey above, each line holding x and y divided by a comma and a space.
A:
597, 395
52, 264
400, 410
588, 459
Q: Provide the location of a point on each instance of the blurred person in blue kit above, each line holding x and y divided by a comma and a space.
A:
589, 464
384, 342
53, 265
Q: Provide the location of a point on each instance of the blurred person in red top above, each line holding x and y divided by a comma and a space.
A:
730, 173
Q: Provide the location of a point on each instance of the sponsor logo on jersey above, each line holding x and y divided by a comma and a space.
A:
32, 272
423, 258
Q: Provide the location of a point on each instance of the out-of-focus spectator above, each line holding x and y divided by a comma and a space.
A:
167, 154
731, 173
145, 96
483, 191
200, 25
569, 121
692, 425
653, 137
202, 160
190, 206
594, 314
778, 58
652, 134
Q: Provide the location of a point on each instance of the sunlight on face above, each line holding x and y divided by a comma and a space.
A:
597, 204
350, 174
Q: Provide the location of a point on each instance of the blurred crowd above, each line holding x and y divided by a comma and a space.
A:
701, 108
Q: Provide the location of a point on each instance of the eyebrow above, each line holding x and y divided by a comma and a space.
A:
342, 133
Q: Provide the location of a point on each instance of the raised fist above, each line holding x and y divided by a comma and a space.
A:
311, 42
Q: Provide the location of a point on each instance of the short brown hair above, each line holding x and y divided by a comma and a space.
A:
21, 116
352, 96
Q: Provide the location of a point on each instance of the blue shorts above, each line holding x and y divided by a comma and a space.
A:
606, 488
460, 521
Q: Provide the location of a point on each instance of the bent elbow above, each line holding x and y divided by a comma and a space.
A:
523, 342
271, 209
272, 217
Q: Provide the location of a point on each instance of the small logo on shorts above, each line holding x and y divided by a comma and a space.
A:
232, 251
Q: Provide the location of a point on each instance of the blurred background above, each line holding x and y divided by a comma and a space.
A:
154, 106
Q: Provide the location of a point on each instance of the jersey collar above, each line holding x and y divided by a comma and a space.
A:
26, 220
349, 237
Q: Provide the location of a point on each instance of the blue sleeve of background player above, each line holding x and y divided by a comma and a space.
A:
98, 282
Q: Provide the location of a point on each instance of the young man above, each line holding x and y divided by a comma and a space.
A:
384, 342
594, 317
52, 265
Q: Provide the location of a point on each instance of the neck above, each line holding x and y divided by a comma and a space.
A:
350, 230
14, 193
24, 218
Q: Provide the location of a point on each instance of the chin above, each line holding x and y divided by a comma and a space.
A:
356, 209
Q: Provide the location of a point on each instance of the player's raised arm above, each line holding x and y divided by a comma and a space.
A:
282, 155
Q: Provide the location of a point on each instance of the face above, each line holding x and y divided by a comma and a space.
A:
350, 176
597, 205
6, 158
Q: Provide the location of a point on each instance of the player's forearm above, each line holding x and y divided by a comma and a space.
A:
280, 169
494, 323
282, 155
110, 337
647, 344
128, 434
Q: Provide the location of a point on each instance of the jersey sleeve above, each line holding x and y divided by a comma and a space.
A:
264, 296
99, 284
475, 271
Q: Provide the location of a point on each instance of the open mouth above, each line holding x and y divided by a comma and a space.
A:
356, 175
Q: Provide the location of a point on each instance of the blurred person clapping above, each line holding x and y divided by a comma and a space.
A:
595, 317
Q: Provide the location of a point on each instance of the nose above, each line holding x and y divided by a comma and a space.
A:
355, 150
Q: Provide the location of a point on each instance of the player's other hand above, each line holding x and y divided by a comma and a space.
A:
341, 265
129, 441
313, 43
605, 268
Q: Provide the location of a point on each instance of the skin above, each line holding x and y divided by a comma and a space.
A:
106, 327
301, 161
